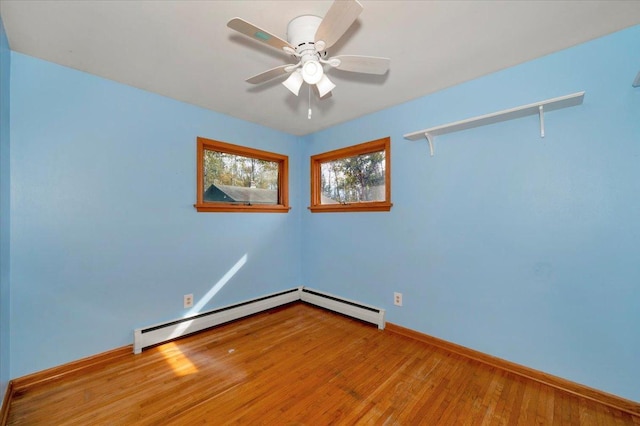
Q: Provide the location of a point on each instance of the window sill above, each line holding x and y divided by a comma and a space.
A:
240, 208
356, 207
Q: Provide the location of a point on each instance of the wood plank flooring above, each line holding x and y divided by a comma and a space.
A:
301, 365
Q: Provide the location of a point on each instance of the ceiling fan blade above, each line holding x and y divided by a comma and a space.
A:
270, 74
257, 33
363, 64
336, 22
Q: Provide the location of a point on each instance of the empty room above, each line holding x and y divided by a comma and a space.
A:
319, 212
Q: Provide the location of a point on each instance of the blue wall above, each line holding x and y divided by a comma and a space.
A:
104, 235
520, 247
524, 248
5, 66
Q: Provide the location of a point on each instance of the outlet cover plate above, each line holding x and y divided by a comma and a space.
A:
188, 300
397, 299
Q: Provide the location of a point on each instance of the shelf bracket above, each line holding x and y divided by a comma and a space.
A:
541, 112
430, 140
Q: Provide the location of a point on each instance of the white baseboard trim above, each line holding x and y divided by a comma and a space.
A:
159, 333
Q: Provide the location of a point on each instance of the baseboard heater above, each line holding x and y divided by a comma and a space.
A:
344, 306
164, 332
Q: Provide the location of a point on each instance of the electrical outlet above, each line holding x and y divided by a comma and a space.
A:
397, 299
188, 300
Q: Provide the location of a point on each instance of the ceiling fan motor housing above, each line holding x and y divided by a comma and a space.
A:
301, 33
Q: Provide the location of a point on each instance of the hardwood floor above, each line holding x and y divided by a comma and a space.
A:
301, 365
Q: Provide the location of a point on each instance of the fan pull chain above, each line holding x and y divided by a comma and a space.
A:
309, 112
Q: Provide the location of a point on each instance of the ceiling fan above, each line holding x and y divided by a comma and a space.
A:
308, 37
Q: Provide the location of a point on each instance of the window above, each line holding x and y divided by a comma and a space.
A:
356, 178
234, 178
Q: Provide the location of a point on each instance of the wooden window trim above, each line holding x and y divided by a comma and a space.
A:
383, 144
283, 178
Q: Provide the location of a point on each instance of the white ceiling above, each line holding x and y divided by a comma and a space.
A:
184, 50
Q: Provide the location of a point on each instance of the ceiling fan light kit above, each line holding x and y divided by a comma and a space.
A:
325, 86
308, 37
294, 82
312, 72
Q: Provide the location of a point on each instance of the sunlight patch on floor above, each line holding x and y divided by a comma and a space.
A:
178, 361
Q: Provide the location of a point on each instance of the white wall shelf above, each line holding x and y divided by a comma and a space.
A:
496, 117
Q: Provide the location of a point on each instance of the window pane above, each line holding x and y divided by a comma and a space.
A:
230, 178
354, 179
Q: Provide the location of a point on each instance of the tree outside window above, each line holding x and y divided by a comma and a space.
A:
355, 178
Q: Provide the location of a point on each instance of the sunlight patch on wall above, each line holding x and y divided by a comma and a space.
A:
210, 294
217, 287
